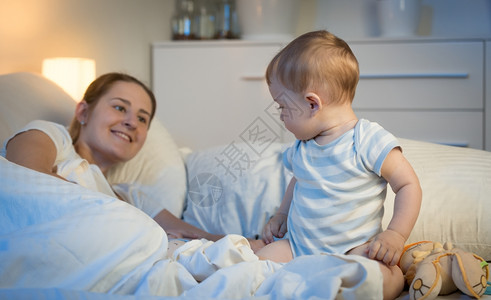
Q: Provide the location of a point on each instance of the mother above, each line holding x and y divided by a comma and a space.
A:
110, 126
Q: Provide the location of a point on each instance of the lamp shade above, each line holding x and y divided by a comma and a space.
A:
73, 74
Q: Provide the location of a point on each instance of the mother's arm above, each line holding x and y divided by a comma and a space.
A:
35, 150
177, 228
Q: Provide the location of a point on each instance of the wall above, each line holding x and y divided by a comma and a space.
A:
116, 33
356, 19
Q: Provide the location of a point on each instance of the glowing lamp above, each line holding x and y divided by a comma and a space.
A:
73, 74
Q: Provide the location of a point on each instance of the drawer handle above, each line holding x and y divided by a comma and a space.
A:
253, 77
414, 75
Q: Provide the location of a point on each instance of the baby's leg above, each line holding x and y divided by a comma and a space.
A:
393, 277
173, 244
278, 251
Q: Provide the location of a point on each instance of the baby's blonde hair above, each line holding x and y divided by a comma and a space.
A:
317, 61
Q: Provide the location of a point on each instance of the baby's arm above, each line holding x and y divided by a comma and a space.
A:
276, 227
35, 150
388, 245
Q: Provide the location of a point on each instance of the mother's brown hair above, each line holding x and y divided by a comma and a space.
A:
101, 86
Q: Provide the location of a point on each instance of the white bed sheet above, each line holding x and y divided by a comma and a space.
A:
59, 240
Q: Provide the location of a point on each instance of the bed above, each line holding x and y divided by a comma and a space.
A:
61, 241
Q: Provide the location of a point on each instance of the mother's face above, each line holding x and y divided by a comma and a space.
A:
116, 128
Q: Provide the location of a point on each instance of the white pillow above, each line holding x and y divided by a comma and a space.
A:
232, 189
456, 184
156, 177
26, 97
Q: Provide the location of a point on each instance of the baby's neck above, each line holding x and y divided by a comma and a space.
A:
335, 131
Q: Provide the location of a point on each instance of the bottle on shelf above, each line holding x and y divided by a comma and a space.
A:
226, 20
205, 19
183, 20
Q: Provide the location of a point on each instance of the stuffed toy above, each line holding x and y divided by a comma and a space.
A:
433, 269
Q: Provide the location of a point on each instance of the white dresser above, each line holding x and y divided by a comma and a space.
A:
425, 90
212, 93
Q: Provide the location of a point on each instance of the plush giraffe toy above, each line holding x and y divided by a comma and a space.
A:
433, 269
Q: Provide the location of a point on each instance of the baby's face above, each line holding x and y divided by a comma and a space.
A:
295, 110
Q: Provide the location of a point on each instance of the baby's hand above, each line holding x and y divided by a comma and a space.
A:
276, 227
387, 246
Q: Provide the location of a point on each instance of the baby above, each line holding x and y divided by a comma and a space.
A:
341, 165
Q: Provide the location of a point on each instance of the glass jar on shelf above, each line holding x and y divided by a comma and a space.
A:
226, 26
183, 20
205, 19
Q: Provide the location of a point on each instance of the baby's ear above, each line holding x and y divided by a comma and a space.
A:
314, 101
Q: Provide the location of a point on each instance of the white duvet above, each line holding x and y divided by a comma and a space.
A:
59, 240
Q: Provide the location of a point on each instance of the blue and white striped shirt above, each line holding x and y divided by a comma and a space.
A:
338, 198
